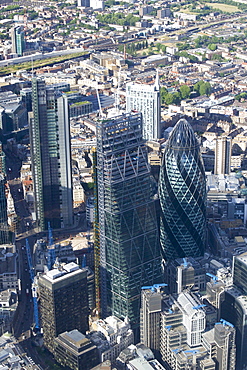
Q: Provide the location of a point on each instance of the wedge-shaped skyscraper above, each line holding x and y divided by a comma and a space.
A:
129, 244
182, 192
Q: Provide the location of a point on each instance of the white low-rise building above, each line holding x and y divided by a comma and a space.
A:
111, 336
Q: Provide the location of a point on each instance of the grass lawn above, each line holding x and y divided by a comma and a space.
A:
224, 7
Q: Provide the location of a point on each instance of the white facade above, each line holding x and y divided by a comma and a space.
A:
117, 333
146, 100
65, 161
97, 4
223, 150
194, 319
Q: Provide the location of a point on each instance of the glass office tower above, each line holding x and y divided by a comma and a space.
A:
182, 192
129, 244
18, 40
51, 157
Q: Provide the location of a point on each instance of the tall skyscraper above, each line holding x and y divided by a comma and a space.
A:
129, 245
182, 192
223, 152
234, 308
146, 100
4, 227
63, 302
51, 157
18, 40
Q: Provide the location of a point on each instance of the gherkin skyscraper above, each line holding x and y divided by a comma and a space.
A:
182, 192
129, 244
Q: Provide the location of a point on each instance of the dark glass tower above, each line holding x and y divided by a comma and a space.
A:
51, 157
129, 244
4, 227
182, 192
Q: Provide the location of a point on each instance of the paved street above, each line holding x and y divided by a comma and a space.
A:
24, 318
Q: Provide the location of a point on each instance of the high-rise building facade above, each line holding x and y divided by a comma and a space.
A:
97, 4
18, 40
4, 227
146, 100
240, 272
234, 310
223, 152
63, 302
129, 245
83, 3
51, 157
151, 308
75, 351
182, 192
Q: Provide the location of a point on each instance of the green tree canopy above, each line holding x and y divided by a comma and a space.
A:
212, 47
205, 89
185, 91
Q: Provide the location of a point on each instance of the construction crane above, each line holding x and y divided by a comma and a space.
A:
192, 351
34, 291
154, 287
199, 306
177, 350
224, 323
51, 249
213, 277
185, 262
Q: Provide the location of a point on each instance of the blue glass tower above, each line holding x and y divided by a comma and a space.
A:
182, 192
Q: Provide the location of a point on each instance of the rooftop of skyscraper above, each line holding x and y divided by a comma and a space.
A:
183, 136
62, 272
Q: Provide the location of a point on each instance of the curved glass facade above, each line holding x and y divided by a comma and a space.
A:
182, 192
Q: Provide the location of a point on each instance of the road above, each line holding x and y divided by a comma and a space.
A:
24, 318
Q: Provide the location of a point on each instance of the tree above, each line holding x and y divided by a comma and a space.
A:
169, 98
197, 86
163, 49
205, 89
185, 91
212, 47
158, 46
163, 93
176, 97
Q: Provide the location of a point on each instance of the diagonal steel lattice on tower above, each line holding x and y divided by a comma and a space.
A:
128, 234
182, 192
